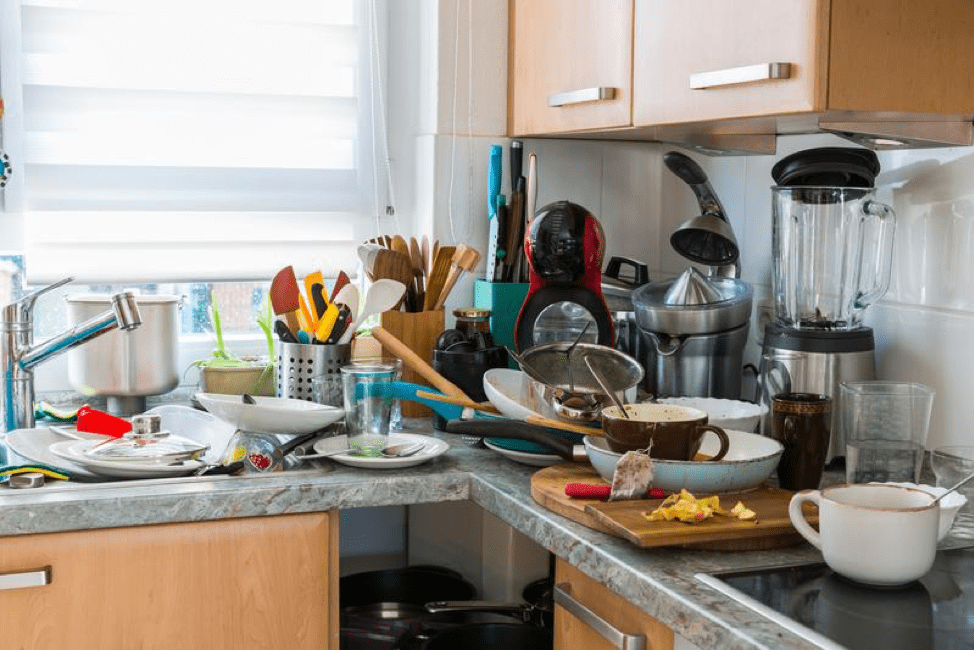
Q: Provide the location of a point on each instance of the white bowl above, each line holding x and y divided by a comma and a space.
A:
278, 415
949, 505
504, 388
724, 413
750, 460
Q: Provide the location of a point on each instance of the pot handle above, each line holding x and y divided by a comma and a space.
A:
516, 430
724, 440
521, 611
606, 630
798, 517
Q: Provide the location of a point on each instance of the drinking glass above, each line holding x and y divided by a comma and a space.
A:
886, 425
950, 464
368, 404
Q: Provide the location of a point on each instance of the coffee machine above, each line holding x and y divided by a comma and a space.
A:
831, 257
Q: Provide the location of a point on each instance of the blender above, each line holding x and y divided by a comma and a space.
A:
831, 257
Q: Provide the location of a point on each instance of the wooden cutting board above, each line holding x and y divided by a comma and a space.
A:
624, 518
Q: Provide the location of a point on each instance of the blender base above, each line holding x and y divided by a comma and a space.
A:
815, 361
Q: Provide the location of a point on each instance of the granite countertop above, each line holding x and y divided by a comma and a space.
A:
660, 581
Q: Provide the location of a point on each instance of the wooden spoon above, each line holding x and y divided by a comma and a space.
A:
393, 265
464, 259
438, 275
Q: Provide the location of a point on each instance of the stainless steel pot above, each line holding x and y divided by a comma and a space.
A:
126, 367
559, 385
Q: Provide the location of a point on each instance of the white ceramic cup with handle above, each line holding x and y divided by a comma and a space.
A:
882, 535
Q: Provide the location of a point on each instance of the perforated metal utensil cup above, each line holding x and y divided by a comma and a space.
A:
299, 363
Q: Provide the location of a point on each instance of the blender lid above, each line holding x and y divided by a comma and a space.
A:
731, 309
828, 166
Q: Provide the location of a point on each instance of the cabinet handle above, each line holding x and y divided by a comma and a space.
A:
581, 96
605, 629
744, 74
22, 579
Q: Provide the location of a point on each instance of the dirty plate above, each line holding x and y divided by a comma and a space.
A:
75, 451
433, 447
523, 457
271, 414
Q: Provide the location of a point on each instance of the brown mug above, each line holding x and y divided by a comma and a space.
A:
676, 432
801, 422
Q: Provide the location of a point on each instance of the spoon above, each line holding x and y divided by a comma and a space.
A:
604, 385
382, 296
963, 482
403, 450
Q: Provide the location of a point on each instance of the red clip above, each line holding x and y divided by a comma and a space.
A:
94, 421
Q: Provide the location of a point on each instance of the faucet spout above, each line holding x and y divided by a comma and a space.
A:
19, 356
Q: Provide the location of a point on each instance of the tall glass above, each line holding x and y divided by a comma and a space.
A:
831, 255
368, 404
886, 425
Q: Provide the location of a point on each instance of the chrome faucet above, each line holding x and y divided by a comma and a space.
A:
19, 355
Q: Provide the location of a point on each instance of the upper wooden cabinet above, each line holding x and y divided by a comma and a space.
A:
564, 54
881, 67
693, 56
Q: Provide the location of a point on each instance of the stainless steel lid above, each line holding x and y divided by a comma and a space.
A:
688, 306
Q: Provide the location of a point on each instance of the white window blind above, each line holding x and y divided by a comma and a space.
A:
191, 140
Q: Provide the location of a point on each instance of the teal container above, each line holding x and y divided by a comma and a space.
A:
504, 300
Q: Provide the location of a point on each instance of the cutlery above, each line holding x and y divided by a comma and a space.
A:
493, 191
285, 297
284, 332
318, 300
392, 265
344, 317
327, 323
465, 258
442, 258
310, 280
306, 320
403, 450
341, 282
348, 296
382, 296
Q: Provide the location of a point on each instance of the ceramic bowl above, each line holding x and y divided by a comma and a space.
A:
750, 460
724, 413
277, 415
949, 505
504, 388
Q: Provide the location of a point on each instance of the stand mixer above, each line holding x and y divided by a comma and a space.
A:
831, 257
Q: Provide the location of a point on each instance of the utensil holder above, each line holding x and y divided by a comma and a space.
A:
418, 331
298, 363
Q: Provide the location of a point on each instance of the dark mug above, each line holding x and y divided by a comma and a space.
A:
801, 423
671, 432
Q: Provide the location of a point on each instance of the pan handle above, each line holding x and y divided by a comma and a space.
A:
606, 630
518, 431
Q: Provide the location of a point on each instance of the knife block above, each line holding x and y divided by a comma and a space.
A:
418, 331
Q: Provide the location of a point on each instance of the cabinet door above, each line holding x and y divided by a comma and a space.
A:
266, 582
576, 627
563, 52
715, 59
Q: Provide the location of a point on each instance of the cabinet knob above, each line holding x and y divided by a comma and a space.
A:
743, 74
581, 96
606, 630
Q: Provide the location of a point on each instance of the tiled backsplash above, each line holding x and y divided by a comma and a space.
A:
925, 324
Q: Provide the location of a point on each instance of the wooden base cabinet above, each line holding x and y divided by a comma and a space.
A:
268, 582
590, 617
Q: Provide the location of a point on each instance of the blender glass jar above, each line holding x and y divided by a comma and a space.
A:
831, 255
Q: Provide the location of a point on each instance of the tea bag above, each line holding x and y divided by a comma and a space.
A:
633, 476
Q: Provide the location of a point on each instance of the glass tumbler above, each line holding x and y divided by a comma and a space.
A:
886, 425
368, 399
951, 464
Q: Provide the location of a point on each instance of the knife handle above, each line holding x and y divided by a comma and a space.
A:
517, 156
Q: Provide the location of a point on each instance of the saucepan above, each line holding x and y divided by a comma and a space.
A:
560, 385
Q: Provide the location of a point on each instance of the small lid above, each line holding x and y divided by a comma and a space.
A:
828, 166
472, 313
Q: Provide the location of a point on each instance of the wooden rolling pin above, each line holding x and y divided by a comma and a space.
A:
413, 360
485, 407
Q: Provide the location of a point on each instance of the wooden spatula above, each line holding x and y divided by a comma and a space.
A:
285, 297
392, 265
464, 259
438, 275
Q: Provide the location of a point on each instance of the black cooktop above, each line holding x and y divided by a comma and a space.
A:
935, 612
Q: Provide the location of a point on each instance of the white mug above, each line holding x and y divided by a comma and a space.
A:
881, 535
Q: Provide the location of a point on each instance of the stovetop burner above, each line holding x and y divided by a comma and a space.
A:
935, 612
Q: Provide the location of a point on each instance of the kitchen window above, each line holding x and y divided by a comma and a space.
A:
179, 145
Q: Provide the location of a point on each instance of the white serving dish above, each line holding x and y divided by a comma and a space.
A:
279, 415
949, 505
750, 460
505, 388
724, 413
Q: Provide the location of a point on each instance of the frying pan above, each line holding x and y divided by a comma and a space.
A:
512, 430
